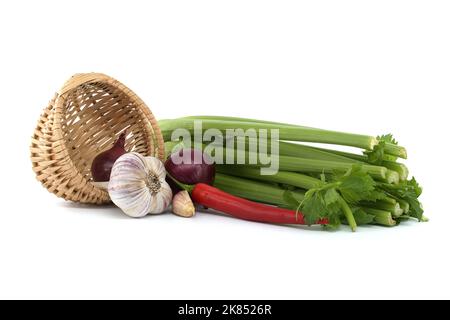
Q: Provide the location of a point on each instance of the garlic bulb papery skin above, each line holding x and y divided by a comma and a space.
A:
138, 185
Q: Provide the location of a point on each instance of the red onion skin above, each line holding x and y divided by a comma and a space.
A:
190, 173
103, 162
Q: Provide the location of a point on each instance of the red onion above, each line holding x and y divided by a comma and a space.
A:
197, 167
103, 162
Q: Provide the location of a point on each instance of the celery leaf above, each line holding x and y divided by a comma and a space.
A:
362, 217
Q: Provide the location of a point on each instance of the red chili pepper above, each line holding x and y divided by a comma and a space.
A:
219, 200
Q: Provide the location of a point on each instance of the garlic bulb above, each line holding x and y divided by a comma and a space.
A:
138, 185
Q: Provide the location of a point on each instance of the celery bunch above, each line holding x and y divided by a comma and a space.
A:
355, 189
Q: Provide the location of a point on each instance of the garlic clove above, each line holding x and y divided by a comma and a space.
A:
182, 205
157, 167
138, 204
161, 201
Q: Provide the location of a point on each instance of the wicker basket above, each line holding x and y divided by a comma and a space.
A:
83, 119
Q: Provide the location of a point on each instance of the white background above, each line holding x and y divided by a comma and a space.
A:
361, 66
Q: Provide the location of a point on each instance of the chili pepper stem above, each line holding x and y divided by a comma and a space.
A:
189, 188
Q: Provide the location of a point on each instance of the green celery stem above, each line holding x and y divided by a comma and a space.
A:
303, 151
290, 178
404, 205
395, 150
394, 208
348, 214
254, 190
381, 217
400, 168
286, 132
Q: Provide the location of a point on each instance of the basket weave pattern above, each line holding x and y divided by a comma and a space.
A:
83, 119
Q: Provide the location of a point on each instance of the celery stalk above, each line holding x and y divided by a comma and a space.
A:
237, 119
396, 150
254, 190
357, 157
348, 155
404, 205
400, 168
394, 209
303, 151
348, 214
290, 178
286, 132
296, 164
382, 217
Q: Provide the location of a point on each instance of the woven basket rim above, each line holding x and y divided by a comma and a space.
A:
85, 78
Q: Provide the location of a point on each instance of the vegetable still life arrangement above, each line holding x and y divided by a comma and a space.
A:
98, 142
